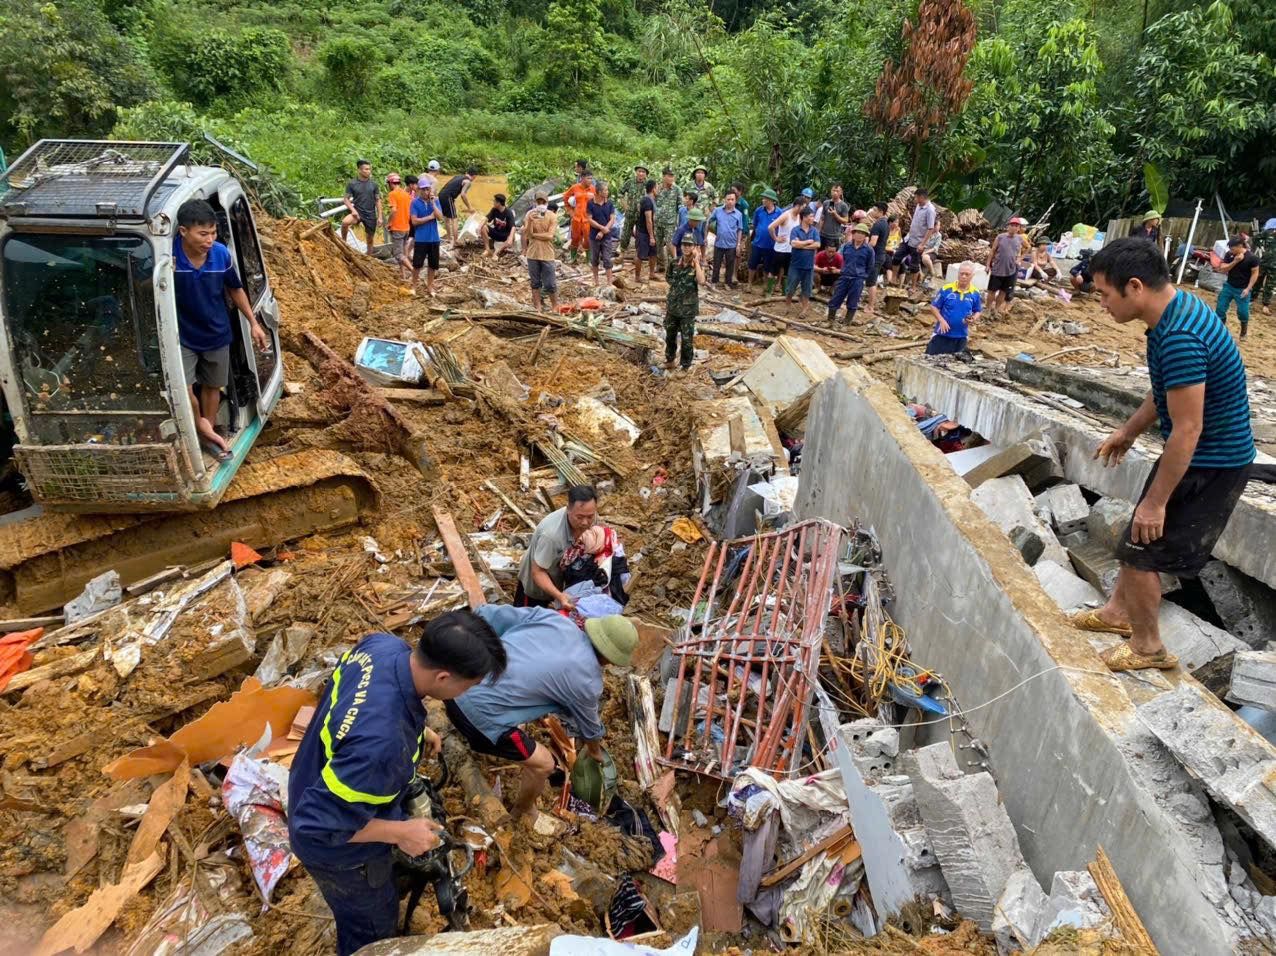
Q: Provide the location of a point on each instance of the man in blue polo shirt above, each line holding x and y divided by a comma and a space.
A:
1199, 399
859, 265
762, 249
726, 223
953, 307
358, 756
204, 273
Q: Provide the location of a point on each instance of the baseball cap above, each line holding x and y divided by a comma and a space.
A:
1018, 221
425, 181
808, 192
434, 165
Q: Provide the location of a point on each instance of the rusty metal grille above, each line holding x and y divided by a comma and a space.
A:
89, 177
749, 656
81, 474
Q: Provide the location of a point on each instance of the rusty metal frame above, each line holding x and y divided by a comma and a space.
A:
767, 622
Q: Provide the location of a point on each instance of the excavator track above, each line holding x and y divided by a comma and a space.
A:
47, 560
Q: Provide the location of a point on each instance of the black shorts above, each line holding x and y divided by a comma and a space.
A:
515, 744
498, 235
1004, 284
760, 258
1195, 516
448, 205
779, 262
423, 251
908, 257
646, 245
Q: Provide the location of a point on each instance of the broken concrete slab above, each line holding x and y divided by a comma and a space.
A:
507, 941
1018, 913
1068, 591
973, 837
1066, 506
1009, 503
964, 459
1229, 758
1096, 563
1074, 901
1107, 520
1073, 540
712, 451
101, 593
1246, 607
786, 370
1195, 641
1023, 456
1254, 679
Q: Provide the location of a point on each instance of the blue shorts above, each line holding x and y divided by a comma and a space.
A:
945, 345
804, 276
760, 258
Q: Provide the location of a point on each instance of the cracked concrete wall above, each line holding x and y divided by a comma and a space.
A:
1073, 763
1005, 417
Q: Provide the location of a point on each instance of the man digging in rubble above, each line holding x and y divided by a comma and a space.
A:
1199, 398
359, 753
554, 668
541, 575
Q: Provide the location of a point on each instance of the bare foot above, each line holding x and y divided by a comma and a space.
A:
209, 433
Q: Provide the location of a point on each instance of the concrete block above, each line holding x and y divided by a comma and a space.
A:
899, 862
1246, 607
102, 592
875, 748
970, 830
1021, 457
1018, 913
1069, 591
1067, 506
1096, 563
1254, 679
964, 459
1075, 539
1074, 901
1107, 521
1195, 641
1009, 504
1232, 762
1028, 543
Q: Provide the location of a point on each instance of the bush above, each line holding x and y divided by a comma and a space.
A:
220, 69
349, 64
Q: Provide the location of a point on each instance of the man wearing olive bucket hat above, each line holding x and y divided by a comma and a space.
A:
553, 667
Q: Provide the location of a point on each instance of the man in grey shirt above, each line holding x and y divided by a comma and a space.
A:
553, 667
1003, 267
363, 199
540, 578
920, 229
834, 215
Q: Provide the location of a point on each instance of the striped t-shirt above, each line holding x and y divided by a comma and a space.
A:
1188, 346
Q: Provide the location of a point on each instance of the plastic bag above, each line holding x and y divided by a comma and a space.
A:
252, 794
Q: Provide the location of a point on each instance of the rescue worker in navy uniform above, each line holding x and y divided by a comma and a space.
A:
345, 812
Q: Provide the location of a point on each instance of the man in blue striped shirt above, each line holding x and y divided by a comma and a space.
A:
1199, 398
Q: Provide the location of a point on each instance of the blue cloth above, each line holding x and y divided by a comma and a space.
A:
203, 322
427, 231
803, 258
797, 276
684, 230
956, 307
364, 900
1226, 296
374, 720
762, 226
848, 289
599, 212
727, 227
552, 669
858, 263
1190, 345
682, 215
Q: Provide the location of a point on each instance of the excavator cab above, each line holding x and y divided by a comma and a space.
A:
90, 360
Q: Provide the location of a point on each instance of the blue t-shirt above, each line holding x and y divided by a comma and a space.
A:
599, 212
203, 319
1188, 346
727, 226
682, 215
762, 226
803, 258
956, 307
858, 263
427, 231
682, 231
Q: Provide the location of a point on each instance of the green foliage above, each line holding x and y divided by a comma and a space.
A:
65, 70
220, 69
349, 64
1154, 182
573, 47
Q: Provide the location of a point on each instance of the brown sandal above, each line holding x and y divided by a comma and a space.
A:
1090, 621
1124, 658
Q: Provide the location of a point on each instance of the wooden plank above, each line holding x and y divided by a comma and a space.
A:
316, 229
831, 842
16, 624
65, 751
881, 350
1123, 913
460, 557
491, 486
60, 668
415, 396
735, 434
540, 342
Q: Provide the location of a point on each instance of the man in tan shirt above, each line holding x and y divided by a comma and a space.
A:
539, 227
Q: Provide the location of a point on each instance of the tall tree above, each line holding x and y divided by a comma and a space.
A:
574, 36
918, 96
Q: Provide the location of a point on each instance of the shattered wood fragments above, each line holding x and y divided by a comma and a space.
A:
460, 557
749, 655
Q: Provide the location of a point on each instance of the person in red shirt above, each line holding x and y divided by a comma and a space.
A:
828, 266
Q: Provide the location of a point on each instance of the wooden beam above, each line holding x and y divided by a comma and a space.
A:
62, 667
540, 342
30, 623
831, 842
491, 486
315, 229
414, 396
460, 557
1123, 913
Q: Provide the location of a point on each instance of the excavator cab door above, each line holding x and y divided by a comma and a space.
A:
246, 247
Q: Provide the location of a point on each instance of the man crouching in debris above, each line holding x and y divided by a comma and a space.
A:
1199, 398
360, 752
554, 668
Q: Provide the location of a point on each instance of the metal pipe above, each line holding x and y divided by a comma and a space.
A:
1187, 247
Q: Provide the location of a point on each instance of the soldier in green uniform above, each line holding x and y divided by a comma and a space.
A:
706, 195
683, 303
630, 195
1265, 246
668, 199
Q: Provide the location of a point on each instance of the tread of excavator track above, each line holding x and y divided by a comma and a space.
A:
47, 560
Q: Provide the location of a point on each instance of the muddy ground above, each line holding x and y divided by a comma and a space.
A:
344, 591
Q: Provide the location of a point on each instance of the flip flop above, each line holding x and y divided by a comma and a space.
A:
1123, 658
1090, 621
220, 454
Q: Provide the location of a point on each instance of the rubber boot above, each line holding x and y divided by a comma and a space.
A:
832, 317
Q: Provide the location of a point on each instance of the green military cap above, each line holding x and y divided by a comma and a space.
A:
770, 194
695, 214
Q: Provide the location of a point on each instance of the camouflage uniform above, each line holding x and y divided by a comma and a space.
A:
681, 307
706, 196
1265, 247
667, 203
630, 195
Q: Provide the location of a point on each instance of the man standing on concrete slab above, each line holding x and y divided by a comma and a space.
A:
1003, 267
954, 307
1199, 398
1243, 271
